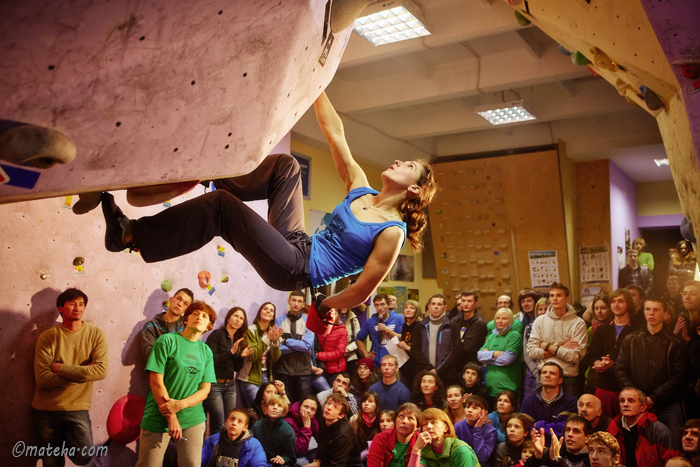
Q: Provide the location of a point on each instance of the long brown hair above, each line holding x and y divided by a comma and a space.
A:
243, 329
412, 209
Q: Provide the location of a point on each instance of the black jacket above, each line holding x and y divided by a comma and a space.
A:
466, 346
657, 364
225, 363
338, 445
606, 342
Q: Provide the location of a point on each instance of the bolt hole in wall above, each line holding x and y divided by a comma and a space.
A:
658, 241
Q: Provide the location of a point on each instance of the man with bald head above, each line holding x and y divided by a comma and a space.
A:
590, 408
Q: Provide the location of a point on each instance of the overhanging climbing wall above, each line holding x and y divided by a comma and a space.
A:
483, 226
157, 92
650, 51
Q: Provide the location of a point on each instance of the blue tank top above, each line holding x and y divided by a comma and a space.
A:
343, 247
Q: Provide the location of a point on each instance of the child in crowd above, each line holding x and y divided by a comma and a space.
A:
473, 376
509, 453
366, 423
234, 445
455, 403
506, 405
386, 420
275, 435
527, 452
364, 378
476, 430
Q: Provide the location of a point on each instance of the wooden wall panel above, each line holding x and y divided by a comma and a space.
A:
593, 206
490, 213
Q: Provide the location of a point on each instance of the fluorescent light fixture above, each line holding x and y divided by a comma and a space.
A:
506, 112
660, 162
386, 22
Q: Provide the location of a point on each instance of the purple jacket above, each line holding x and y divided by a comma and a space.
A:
303, 434
552, 415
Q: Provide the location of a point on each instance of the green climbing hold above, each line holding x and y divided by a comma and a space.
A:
522, 20
166, 285
577, 58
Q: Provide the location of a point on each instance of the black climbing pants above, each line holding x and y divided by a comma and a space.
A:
278, 249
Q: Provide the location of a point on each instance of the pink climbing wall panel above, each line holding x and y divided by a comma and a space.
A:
160, 91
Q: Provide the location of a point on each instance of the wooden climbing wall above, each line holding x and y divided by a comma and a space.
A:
489, 214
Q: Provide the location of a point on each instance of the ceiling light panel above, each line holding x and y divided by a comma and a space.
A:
504, 113
393, 25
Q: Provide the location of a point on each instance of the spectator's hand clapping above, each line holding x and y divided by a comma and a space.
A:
246, 352
234, 349
555, 448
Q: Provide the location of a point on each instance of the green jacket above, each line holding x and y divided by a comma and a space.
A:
259, 343
455, 453
500, 375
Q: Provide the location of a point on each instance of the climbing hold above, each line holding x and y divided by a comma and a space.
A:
43, 276
593, 72
577, 58
224, 278
522, 20
166, 285
87, 202
563, 50
345, 12
651, 99
78, 261
204, 279
36, 146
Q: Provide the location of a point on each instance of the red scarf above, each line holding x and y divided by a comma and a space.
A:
368, 421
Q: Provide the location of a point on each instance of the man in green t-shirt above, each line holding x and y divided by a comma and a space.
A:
181, 372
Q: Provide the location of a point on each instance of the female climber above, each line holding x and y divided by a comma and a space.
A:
367, 231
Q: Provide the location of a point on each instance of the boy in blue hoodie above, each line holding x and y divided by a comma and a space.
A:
234, 445
476, 430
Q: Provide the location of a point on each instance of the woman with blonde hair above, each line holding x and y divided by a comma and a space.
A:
438, 446
502, 352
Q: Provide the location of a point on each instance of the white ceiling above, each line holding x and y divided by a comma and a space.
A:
417, 98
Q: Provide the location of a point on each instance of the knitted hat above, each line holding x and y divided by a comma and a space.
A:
366, 361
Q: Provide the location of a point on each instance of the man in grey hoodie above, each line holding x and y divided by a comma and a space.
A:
559, 336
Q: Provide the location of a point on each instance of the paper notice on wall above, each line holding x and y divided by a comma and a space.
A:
393, 349
595, 264
544, 268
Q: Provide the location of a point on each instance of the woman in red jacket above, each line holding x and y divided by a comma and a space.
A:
332, 351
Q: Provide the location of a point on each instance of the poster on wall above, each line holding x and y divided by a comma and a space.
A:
402, 270
544, 268
401, 294
318, 221
305, 168
595, 264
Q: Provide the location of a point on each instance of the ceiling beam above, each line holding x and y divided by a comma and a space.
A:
528, 40
504, 70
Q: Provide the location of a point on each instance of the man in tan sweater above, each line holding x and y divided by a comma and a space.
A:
68, 358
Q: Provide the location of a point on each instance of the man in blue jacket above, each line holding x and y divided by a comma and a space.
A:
380, 328
234, 445
551, 406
